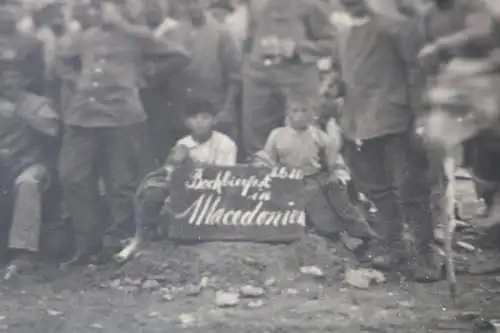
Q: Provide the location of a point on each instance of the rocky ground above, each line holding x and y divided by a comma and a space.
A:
313, 286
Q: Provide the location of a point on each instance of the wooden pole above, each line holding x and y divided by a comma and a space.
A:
449, 222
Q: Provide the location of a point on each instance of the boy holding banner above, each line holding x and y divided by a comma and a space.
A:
203, 145
302, 145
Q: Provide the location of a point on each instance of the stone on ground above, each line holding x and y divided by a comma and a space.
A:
222, 265
363, 278
251, 291
226, 299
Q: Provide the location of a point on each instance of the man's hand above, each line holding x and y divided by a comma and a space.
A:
342, 176
178, 155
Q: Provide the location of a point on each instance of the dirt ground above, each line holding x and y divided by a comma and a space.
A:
173, 289
108, 300
75, 303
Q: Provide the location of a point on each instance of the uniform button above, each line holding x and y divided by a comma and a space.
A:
92, 99
98, 70
95, 84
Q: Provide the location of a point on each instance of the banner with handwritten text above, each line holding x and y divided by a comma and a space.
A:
241, 203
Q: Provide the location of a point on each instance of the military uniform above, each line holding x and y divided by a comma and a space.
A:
24, 120
105, 127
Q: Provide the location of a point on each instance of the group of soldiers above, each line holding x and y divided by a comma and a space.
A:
107, 68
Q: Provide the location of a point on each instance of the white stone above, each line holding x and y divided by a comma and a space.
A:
256, 304
362, 278
150, 284
225, 299
312, 271
186, 319
251, 291
193, 290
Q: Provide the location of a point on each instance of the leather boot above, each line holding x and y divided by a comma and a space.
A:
390, 257
23, 263
428, 266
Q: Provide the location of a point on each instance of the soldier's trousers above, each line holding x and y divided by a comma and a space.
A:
392, 172
24, 197
118, 155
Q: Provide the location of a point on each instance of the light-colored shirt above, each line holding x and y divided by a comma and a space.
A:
218, 150
302, 149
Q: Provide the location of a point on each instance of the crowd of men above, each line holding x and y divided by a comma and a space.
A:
96, 94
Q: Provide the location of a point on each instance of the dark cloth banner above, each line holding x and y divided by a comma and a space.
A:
241, 203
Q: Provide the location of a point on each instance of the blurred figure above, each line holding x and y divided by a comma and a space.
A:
438, 19
463, 98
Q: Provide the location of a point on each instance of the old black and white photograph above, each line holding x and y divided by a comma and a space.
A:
250, 166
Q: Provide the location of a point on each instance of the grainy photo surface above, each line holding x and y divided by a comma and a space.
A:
249, 166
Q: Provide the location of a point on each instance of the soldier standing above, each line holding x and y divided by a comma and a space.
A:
105, 126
